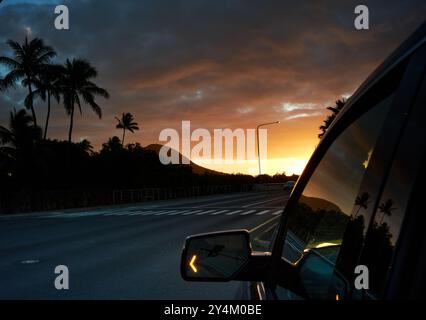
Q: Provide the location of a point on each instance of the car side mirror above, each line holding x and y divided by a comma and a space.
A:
318, 276
218, 256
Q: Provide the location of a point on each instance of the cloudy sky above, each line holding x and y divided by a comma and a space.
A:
220, 64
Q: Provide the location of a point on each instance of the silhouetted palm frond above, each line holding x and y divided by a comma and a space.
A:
339, 104
28, 60
76, 87
126, 123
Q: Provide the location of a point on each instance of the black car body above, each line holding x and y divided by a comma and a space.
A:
354, 226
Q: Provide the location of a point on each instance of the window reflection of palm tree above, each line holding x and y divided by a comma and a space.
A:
362, 202
386, 208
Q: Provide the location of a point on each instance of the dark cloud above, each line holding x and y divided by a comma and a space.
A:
216, 63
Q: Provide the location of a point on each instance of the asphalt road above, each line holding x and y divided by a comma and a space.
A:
122, 252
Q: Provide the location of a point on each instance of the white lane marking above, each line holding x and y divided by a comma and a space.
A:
78, 214
247, 212
165, 212
233, 212
262, 212
218, 212
205, 212
138, 213
265, 201
117, 213
119, 210
277, 212
30, 261
192, 212
156, 212
261, 225
218, 202
177, 212
50, 215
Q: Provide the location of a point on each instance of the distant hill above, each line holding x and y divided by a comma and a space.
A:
195, 167
319, 203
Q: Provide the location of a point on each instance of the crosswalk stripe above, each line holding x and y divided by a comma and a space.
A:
168, 212
79, 214
154, 212
50, 215
116, 213
247, 212
177, 212
233, 212
262, 212
133, 213
192, 212
218, 212
205, 212
164, 212
138, 213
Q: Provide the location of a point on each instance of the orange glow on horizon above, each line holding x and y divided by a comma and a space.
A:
288, 166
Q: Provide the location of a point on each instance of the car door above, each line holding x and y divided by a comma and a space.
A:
395, 242
324, 226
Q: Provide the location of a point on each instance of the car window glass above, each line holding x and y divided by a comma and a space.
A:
328, 202
384, 231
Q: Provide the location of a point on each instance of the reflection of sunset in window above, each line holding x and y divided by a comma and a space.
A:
365, 163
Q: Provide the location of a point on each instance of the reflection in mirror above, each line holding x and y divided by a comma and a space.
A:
316, 272
216, 256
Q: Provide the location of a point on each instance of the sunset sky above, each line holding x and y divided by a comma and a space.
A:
219, 64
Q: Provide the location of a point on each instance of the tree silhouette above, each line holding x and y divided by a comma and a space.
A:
86, 146
362, 202
47, 85
21, 134
126, 123
330, 118
386, 208
76, 85
29, 58
112, 145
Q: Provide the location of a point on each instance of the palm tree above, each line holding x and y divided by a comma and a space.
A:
47, 85
362, 202
386, 208
75, 84
330, 118
86, 146
127, 122
28, 59
112, 145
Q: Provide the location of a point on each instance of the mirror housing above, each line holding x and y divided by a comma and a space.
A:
222, 256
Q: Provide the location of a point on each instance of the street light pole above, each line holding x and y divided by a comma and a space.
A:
258, 142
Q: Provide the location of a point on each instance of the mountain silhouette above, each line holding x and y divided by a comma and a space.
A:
195, 167
319, 203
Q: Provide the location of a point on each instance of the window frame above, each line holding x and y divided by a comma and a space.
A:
402, 279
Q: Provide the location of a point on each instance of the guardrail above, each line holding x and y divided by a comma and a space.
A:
150, 194
268, 186
42, 200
